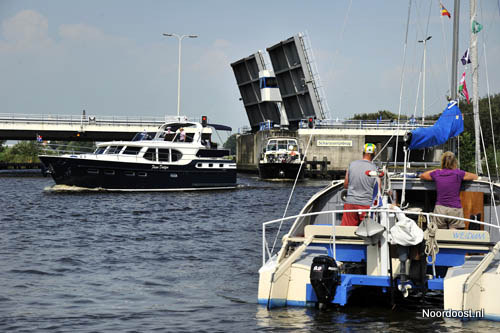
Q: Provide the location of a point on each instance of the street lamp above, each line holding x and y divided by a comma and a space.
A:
180, 38
423, 88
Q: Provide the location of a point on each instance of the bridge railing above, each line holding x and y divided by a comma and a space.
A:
84, 119
369, 124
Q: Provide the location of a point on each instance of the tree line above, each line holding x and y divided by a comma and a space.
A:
28, 151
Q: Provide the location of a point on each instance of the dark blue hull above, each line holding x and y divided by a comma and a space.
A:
113, 175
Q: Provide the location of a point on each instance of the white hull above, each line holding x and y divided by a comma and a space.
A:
285, 278
475, 286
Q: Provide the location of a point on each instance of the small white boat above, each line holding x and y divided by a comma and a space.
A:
281, 159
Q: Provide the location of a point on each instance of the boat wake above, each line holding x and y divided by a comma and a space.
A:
73, 189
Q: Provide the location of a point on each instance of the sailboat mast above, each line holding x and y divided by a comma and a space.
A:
454, 56
475, 102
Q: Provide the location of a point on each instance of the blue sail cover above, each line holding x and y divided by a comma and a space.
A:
449, 124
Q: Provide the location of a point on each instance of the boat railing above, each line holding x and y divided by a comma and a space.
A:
58, 149
427, 215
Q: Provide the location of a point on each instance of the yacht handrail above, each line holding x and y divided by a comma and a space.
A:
370, 210
55, 149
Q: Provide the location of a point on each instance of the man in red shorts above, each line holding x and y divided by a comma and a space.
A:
359, 186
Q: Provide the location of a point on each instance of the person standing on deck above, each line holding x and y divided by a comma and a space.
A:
359, 186
182, 135
448, 183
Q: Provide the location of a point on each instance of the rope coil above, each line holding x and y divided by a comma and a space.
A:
431, 245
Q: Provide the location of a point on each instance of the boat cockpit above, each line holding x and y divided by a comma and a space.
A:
419, 197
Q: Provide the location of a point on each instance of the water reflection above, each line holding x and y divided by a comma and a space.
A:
359, 318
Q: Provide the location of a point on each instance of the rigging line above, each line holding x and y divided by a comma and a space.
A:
291, 193
485, 154
489, 104
489, 177
341, 39
484, 37
418, 91
381, 150
487, 23
402, 81
420, 72
423, 55
428, 19
422, 62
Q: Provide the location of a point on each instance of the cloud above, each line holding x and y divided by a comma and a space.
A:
221, 43
88, 34
80, 32
27, 30
213, 60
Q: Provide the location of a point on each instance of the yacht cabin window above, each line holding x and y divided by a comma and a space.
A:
131, 150
164, 155
114, 149
100, 150
143, 136
150, 154
176, 155
271, 146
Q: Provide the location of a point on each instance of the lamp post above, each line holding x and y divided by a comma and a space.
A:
180, 38
423, 87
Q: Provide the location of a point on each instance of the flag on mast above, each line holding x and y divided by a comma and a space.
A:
462, 88
476, 27
466, 58
444, 11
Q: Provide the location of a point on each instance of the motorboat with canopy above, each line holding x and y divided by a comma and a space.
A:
180, 155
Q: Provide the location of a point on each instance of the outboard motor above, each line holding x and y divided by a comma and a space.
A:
324, 277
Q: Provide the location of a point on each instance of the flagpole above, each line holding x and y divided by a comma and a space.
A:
475, 102
454, 57
424, 41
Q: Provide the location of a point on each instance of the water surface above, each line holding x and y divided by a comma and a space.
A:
162, 262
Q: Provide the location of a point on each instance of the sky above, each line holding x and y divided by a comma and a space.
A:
111, 59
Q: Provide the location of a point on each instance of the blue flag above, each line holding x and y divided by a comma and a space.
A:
449, 124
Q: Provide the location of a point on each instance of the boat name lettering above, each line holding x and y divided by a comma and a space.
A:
334, 143
162, 167
468, 235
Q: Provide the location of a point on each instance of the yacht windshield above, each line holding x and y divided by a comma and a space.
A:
131, 150
282, 145
143, 136
271, 146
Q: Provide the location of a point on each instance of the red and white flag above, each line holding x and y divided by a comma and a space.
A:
462, 88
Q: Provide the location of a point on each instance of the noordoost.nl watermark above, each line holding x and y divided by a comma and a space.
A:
427, 313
